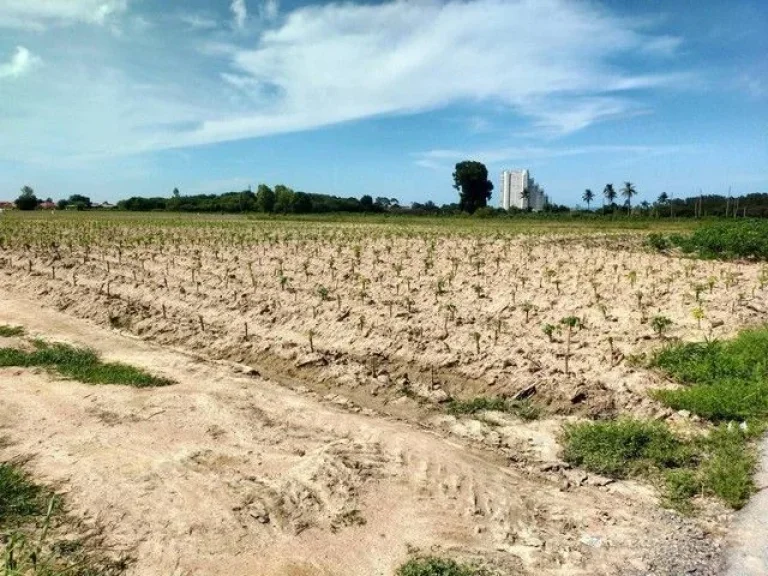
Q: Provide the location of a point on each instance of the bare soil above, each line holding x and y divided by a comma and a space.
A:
307, 433
229, 473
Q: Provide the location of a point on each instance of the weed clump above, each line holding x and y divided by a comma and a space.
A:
19, 496
624, 448
7, 331
433, 566
524, 409
79, 364
724, 380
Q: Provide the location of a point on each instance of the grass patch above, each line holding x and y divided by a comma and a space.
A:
20, 498
7, 331
79, 364
719, 464
524, 409
30, 518
433, 566
724, 380
726, 240
624, 448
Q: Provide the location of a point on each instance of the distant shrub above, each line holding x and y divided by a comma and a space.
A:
738, 239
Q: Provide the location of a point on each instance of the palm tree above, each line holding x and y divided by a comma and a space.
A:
525, 195
588, 196
609, 193
628, 191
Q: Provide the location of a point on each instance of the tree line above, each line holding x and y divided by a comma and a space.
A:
470, 179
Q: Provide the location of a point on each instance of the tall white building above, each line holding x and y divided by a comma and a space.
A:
513, 184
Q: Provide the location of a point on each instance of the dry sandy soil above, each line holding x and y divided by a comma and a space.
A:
226, 473
318, 445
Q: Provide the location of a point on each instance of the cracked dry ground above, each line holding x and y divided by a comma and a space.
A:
228, 472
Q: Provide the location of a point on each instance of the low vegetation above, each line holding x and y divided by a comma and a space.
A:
524, 409
725, 383
79, 364
723, 380
726, 240
11, 331
20, 498
433, 566
30, 519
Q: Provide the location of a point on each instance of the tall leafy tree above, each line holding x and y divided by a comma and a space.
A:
27, 200
610, 194
588, 196
471, 180
265, 199
628, 191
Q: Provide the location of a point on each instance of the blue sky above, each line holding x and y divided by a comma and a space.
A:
113, 98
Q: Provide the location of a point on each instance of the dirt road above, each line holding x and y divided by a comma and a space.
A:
228, 473
748, 554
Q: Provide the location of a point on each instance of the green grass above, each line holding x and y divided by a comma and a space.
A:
433, 566
79, 364
720, 239
723, 380
29, 516
11, 331
524, 409
720, 463
624, 448
20, 498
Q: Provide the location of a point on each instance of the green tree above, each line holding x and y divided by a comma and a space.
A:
27, 200
366, 203
79, 201
628, 191
265, 199
284, 198
610, 194
588, 196
176, 193
471, 179
526, 196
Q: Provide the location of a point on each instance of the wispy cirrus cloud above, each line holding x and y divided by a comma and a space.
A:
442, 159
21, 62
239, 13
551, 62
40, 14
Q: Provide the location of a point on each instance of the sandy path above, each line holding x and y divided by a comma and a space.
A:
230, 474
748, 554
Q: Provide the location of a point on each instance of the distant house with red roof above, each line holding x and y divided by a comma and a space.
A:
7, 206
47, 206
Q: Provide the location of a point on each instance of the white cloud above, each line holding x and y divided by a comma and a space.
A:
239, 12
442, 159
21, 62
269, 9
555, 62
198, 21
551, 60
39, 14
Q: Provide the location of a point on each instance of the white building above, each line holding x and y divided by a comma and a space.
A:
513, 185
